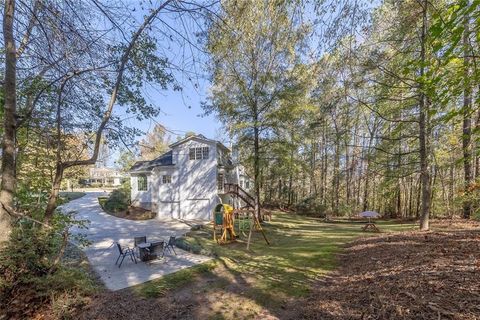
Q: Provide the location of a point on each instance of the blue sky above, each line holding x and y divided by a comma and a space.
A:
181, 111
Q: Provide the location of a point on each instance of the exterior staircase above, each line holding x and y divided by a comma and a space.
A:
236, 190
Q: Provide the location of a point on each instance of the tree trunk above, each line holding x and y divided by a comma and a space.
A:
410, 198
8, 184
398, 205
313, 167
348, 172
467, 122
367, 165
477, 144
336, 175
290, 176
256, 163
423, 132
324, 165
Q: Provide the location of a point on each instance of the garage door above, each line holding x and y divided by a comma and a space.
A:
169, 210
198, 209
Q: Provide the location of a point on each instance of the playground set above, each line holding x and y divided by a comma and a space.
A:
226, 218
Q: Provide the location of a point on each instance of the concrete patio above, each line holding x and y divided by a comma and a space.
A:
104, 230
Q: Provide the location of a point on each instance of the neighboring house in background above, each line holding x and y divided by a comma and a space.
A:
187, 182
105, 176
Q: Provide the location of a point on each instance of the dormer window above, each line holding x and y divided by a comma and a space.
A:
199, 153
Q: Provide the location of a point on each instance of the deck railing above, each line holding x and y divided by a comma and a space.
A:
235, 189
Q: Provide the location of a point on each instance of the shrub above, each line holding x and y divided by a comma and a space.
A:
102, 201
31, 278
119, 199
476, 215
311, 206
96, 185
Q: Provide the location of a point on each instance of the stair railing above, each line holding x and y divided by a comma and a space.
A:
237, 190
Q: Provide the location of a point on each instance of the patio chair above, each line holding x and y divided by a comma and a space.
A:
123, 252
138, 240
170, 246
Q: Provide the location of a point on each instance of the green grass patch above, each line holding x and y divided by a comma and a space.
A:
302, 250
159, 287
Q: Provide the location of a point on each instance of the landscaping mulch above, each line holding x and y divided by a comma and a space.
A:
132, 213
412, 275
124, 304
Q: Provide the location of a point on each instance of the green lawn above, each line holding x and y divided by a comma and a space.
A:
301, 250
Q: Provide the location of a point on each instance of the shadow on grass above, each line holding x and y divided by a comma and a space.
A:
302, 250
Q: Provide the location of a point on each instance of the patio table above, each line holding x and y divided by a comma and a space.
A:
144, 250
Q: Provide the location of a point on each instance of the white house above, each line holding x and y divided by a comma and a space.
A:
105, 176
187, 182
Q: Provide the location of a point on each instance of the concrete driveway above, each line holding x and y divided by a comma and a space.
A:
104, 230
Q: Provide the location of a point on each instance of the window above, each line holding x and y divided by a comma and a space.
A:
199, 153
142, 184
192, 153
166, 179
205, 151
220, 182
247, 184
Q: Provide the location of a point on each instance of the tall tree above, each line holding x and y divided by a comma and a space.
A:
129, 65
154, 144
423, 122
7, 188
467, 115
253, 47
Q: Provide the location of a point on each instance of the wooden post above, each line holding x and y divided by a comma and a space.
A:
250, 233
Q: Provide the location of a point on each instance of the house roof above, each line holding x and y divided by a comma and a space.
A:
198, 137
165, 159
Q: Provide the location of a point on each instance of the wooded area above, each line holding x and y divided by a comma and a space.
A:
385, 119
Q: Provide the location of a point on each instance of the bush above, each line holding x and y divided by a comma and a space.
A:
311, 206
119, 199
30, 278
102, 201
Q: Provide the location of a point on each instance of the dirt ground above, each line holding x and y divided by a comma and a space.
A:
409, 275
211, 296
414, 275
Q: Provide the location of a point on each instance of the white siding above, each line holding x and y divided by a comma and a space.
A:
142, 198
167, 195
196, 186
192, 193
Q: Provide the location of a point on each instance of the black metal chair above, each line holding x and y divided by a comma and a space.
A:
137, 241
123, 252
170, 246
